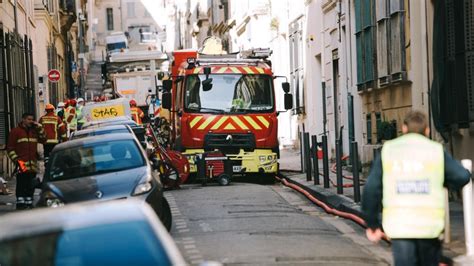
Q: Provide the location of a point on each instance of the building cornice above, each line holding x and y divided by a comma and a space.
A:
327, 5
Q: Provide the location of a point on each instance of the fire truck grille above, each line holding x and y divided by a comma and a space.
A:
229, 143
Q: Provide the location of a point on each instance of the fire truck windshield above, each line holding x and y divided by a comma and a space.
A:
229, 93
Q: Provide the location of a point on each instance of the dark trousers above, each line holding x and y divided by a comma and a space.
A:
419, 252
47, 149
24, 189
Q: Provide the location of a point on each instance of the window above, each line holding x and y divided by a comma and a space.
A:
297, 64
365, 41
378, 123
229, 93
131, 9
110, 19
380, 42
369, 128
390, 41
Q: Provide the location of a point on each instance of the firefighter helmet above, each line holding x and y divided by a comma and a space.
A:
133, 103
61, 105
49, 107
72, 103
80, 100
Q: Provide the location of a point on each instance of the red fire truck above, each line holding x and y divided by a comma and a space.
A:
225, 102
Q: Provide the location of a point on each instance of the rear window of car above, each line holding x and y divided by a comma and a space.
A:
80, 135
94, 159
129, 243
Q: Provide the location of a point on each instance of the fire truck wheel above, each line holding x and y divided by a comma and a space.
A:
224, 180
166, 216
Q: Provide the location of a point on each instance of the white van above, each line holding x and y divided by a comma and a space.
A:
116, 42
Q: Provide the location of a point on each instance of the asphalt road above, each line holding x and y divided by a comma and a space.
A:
252, 224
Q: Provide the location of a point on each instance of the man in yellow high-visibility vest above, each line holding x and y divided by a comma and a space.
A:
406, 181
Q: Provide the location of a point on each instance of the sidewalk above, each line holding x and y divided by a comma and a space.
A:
8, 202
290, 166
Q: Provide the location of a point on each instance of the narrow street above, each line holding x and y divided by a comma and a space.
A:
264, 224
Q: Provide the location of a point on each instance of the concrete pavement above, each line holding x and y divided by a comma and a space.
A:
290, 165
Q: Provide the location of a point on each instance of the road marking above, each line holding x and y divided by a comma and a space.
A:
180, 223
205, 227
196, 261
190, 246
193, 251
181, 227
183, 230
195, 257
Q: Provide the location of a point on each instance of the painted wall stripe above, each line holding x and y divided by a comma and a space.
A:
239, 122
252, 122
207, 122
195, 121
264, 121
219, 123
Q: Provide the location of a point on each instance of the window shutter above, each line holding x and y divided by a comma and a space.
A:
3, 94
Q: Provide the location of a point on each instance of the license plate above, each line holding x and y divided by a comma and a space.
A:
237, 168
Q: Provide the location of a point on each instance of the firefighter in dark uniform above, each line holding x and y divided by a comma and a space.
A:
22, 149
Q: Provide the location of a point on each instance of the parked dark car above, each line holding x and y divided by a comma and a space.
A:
102, 168
137, 129
121, 232
102, 130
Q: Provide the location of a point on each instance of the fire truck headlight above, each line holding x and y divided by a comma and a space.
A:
262, 158
270, 157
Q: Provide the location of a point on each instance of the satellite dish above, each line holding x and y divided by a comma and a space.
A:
212, 46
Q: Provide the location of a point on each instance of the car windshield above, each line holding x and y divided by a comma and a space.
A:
93, 159
229, 93
80, 135
126, 243
116, 46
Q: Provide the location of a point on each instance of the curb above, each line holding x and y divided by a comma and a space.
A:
338, 202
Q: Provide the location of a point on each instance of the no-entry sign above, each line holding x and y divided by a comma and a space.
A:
54, 75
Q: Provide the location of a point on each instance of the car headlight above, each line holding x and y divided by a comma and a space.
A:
143, 186
52, 200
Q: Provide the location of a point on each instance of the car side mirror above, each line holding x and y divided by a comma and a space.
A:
288, 101
166, 100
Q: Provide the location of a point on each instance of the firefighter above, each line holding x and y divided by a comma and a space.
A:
60, 110
70, 116
22, 150
80, 115
407, 180
137, 113
54, 129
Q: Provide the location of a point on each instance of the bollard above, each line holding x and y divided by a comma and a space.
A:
300, 135
468, 206
314, 153
355, 171
468, 210
325, 161
307, 156
338, 168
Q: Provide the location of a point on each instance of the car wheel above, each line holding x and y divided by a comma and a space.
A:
166, 217
224, 180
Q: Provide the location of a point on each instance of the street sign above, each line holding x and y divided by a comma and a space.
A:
54, 75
